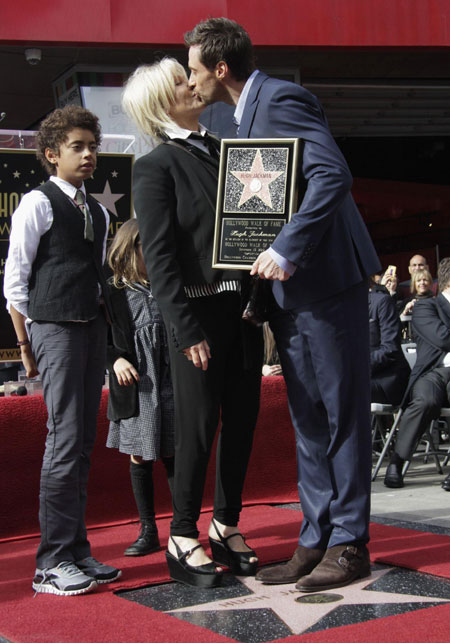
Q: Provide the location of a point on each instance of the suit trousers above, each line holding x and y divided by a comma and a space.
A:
429, 394
229, 389
70, 357
324, 352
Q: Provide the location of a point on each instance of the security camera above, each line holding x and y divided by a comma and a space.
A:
33, 56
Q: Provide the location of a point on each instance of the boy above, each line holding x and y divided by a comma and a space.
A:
52, 275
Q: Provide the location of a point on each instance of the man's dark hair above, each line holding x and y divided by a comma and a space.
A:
54, 130
444, 273
222, 39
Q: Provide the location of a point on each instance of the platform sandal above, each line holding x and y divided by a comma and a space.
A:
203, 576
238, 561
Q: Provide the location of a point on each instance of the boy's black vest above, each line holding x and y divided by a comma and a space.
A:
65, 274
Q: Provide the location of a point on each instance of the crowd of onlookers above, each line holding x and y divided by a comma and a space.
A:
416, 311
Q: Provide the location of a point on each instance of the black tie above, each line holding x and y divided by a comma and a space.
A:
209, 141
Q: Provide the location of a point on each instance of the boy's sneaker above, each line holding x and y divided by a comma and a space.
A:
65, 580
99, 571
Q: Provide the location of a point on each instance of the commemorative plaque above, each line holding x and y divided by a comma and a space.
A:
257, 195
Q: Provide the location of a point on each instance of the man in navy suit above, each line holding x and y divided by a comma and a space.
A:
318, 266
429, 384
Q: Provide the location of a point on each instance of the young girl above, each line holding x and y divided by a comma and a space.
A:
140, 399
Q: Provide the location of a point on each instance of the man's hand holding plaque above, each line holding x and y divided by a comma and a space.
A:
266, 268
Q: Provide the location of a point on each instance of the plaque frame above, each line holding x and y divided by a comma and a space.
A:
244, 214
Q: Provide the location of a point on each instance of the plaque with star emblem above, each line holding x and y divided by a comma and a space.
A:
20, 172
257, 195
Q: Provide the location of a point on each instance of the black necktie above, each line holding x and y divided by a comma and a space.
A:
210, 142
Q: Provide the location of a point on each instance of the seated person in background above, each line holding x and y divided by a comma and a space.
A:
417, 262
271, 364
389, 368
421, 288
429, 383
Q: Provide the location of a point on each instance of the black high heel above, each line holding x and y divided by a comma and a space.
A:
204, 576
238, 561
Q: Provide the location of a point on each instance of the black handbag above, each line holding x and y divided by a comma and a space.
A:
256, 310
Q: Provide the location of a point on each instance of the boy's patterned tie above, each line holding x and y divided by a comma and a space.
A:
88, 228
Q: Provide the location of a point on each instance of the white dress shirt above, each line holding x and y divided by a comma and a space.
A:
31, 220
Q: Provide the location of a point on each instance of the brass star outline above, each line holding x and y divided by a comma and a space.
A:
256, 181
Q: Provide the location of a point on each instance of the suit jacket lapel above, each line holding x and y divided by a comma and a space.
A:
250, 105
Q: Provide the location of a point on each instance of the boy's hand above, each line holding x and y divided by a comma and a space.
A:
28, 361
125, 372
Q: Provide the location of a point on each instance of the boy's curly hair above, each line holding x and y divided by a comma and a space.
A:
55, 129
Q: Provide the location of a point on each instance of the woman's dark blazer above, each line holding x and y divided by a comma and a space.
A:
123, 400
388, 364
174, 194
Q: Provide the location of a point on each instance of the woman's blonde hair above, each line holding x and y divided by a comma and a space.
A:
149, 93
419, 274
123, 256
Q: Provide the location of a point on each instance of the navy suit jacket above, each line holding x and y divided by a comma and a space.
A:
431, 327
326, 238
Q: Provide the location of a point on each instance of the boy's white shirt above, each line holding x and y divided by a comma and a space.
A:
32, 219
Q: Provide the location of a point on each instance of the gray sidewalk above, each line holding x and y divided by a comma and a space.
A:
421, 502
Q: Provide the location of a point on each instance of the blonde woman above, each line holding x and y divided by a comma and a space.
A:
215, 357
421, 284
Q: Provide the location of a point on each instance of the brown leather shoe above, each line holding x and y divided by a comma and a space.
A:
302, 562
340, 566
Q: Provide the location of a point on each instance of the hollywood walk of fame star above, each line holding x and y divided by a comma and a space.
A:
114, 174
256, 181
108, 199
16, 174
300, 617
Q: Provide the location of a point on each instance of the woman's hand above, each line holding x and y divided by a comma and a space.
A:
199, 354
125, 372
275, 369
408, 308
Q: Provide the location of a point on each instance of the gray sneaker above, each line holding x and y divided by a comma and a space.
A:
99, 571
65, 580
